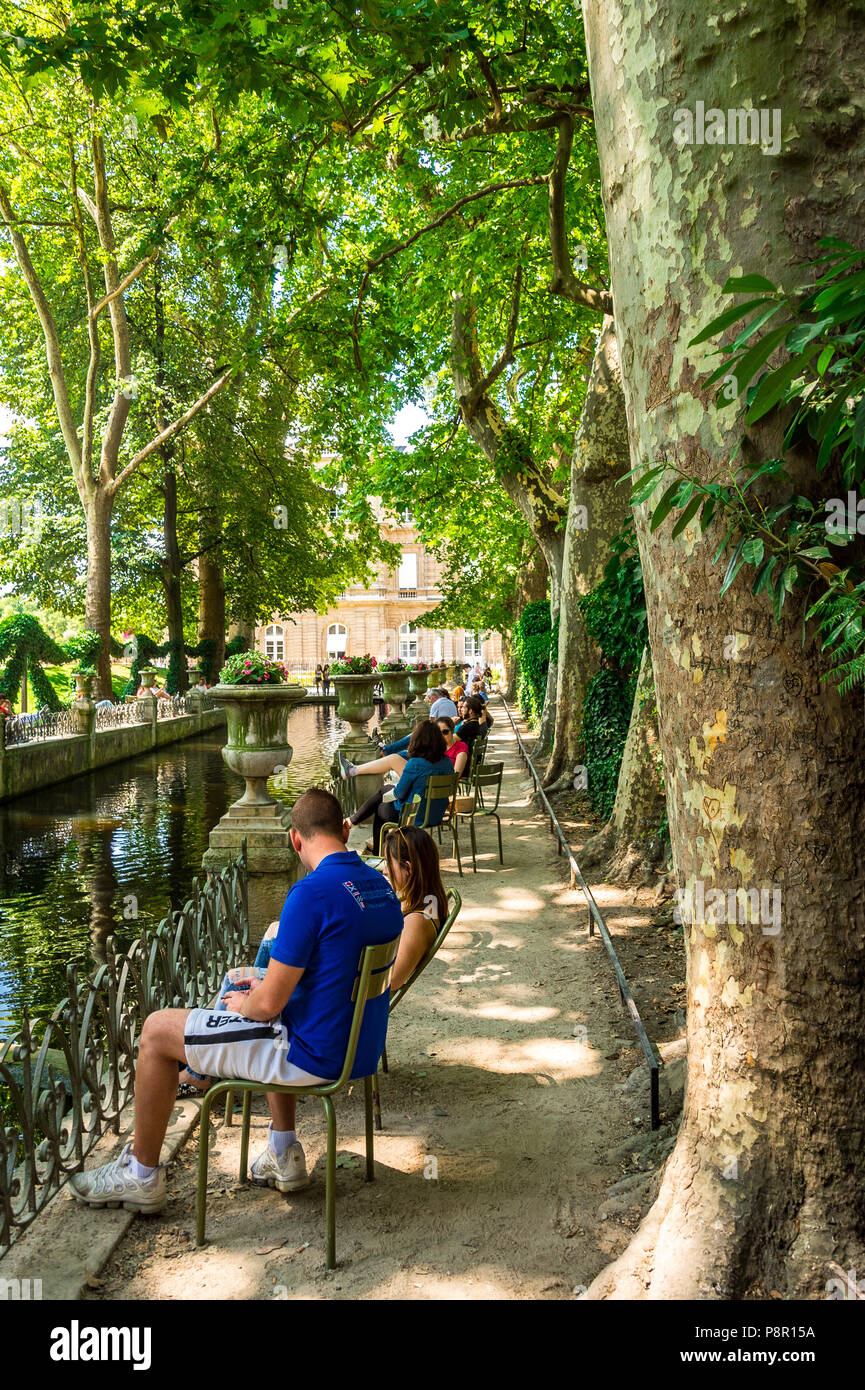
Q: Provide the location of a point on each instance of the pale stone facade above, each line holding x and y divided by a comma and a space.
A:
378, 619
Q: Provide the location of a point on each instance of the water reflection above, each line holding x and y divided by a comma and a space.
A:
109, 852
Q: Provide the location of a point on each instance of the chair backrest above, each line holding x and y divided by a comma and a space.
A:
441, 787
455, 902
374, 972
488, 775
407, 814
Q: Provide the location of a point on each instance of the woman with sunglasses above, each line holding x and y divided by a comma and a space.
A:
457, 750
411, 862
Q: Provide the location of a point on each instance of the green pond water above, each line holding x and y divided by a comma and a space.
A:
107, 853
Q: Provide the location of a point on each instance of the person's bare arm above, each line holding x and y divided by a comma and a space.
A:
268, 997
415, 941
459, 763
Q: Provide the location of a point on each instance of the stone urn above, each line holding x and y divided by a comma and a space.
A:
147, 674
452, 674
257, 746
418, 709
395, 687
356, 705
84, 684
435, 677
257, 719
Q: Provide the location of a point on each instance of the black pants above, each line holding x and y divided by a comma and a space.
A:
382, 812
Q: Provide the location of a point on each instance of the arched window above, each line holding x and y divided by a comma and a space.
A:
408, 643
274, 642
336, 640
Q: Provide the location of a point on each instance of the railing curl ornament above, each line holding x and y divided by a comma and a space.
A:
64, 1080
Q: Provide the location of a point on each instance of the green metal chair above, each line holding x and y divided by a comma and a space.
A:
488, 775
443, 786
455, 902
373, 979
406, 817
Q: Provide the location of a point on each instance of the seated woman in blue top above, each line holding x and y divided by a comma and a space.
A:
426, 757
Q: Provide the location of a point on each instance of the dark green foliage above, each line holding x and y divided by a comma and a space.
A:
615, 615
606, 716
25, 645
788, 538
615, 610
532, 642
236, 645
205, 652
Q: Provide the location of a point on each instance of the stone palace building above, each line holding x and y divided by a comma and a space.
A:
379, 619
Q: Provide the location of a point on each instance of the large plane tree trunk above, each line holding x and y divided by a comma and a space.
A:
597, 510
765, 765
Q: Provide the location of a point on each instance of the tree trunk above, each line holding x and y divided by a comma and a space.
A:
171, 572
597, 511
629, 841
211, 607
523, 479
97, 600
765, 765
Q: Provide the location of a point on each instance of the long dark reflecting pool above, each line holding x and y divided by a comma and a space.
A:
109, 852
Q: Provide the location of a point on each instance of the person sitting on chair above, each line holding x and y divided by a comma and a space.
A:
427, 757
411, 862
291, 1028
457, 750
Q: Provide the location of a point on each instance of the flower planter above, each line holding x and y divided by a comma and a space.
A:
452, 673
435, 677
257, 744
417, 682
355, 702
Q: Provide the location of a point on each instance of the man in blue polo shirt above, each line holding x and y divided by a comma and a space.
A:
290, 1028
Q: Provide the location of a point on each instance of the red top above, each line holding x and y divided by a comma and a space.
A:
456, 747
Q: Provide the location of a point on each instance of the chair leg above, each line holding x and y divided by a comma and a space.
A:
244, 1135
499, 829
457, 847
370, 1142
376, 1101
330, 1186
384, 1065
203, 1157
474, 845
229, 1109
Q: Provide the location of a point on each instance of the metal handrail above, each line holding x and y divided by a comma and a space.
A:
651, 1053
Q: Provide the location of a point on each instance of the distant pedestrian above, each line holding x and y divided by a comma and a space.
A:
318, 679
325, 677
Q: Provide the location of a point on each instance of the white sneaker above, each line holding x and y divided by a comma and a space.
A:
113, 1185
286, 1173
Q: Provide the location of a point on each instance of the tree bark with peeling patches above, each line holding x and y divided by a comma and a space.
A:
765, 765
597, 510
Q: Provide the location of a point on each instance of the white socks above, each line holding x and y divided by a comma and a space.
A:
281, 1139
140, 1171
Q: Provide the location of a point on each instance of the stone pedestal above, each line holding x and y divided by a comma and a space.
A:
257, 718
419, 708
356, 705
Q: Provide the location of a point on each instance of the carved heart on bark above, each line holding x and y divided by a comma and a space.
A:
712, 807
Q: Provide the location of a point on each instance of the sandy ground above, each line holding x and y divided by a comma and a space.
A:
501, 1118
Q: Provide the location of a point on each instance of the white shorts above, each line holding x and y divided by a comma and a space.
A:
227, 1045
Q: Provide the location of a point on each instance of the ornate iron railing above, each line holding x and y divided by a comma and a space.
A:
115, 716
172, 706
64, 1080
28, 728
